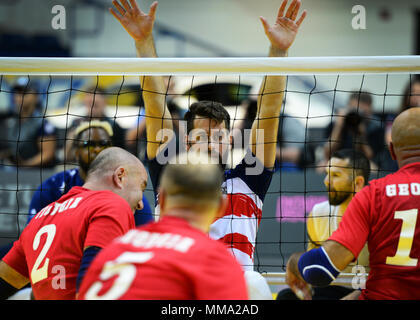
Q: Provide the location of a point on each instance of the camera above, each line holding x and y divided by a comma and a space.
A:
353, 120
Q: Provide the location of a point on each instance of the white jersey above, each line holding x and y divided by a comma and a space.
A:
238, 226
323, 221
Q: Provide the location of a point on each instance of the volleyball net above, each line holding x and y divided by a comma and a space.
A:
317, 94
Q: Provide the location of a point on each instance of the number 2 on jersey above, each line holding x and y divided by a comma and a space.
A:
408, 228
40, 273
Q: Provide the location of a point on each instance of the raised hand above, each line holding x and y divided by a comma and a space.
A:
137, 23
283, 32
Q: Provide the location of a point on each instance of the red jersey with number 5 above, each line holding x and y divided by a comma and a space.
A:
166, 260
50, 248
385, 214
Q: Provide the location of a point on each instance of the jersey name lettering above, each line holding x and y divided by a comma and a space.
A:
157, 240
59, 207
403, 189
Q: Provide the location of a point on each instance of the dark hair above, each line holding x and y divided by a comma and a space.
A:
362, 96
357, 160
207, 109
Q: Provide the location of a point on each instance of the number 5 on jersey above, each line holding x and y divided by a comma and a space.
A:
124, 267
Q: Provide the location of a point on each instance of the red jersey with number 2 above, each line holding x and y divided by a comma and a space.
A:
51, 246
385, 214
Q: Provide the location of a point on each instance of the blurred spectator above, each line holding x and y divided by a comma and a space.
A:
290, 143
31, 139
94, 101
245, 123
136, 139
410, 99
290, 137
356, 127
136, 136
411, 96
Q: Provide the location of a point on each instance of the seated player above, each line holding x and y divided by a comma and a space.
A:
384, 214
208, 129
173, 259
346, 174
55, 249
90, 139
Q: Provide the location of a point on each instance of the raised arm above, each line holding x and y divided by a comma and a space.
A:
281, 35
139, 26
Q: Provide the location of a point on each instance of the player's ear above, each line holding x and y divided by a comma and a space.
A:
76, 152
392, 151
359, 183
118, 177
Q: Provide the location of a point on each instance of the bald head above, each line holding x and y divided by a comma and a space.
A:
110, 159
192, 181
405, 135
121, 172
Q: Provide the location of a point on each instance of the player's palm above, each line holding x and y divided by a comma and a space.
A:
137, 23
283, 32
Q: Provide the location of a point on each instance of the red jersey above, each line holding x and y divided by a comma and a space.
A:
385, 214
168, 260
50, 248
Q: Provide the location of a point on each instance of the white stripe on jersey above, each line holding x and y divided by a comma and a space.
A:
244, 260
234, 224
237, 185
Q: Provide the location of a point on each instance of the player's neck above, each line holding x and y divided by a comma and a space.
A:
95, 185
404, 162
194, 219
82, 174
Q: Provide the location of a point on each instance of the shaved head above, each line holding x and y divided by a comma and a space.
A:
110, 159
405, 135
406, 129
192, 181
119, 171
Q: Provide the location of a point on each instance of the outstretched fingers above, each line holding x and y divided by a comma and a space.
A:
264, 23
295, 10
135, 7
152, 11
126, 5
291, 9
302, 17
282, 8
119, 8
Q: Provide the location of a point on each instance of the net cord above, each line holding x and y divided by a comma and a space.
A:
209, 66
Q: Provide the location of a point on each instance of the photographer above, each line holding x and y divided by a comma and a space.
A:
356, 127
